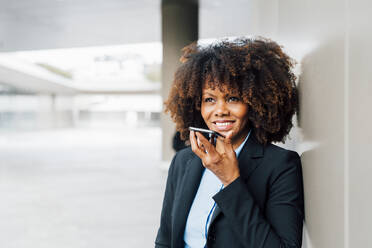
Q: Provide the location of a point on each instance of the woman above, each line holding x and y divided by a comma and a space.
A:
245, 191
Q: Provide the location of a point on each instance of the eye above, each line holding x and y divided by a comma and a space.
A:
208, 99
233, 99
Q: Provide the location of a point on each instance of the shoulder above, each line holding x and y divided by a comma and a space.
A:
272, 150
181, 159
184, 155
281, 159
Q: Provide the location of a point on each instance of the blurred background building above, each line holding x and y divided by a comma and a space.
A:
81, 86
81, 90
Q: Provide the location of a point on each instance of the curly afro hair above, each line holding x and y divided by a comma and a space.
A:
256, 69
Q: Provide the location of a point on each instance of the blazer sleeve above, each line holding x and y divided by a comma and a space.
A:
279, 225
163, 237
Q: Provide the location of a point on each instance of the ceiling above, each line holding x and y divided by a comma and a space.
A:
49, 24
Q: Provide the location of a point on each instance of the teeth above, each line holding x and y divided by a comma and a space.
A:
223, 123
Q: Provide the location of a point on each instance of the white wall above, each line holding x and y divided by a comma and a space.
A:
331, 40
360, 123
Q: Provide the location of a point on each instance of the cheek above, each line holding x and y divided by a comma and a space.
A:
241, 112
245, 117
242, 115
205, 111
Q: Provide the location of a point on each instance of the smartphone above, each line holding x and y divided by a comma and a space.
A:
212, 135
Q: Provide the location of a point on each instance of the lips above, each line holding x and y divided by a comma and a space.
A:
224, 125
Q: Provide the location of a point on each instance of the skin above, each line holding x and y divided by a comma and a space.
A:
227, 114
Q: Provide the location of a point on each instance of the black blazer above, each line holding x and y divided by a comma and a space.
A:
264, 207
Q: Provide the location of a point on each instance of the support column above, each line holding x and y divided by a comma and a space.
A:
53, 111
179, 28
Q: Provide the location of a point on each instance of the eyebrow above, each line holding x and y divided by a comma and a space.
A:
226, 95
207, 93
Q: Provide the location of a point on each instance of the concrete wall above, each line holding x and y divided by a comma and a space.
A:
330, 39
360, 123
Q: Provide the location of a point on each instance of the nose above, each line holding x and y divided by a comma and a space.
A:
221, 109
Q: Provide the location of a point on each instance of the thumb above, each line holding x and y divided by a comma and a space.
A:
228, 143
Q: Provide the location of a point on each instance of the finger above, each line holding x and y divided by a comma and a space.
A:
198, 143
207, 145
228, 138
194, 145
228, 143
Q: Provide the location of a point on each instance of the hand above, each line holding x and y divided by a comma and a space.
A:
221, 161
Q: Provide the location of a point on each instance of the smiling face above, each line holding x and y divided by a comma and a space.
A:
224, 112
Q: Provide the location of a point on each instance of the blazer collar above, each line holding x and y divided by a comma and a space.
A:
252, 148
248, 161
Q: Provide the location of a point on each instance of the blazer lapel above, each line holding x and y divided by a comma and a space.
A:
249, 156
189, 187
248, 162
